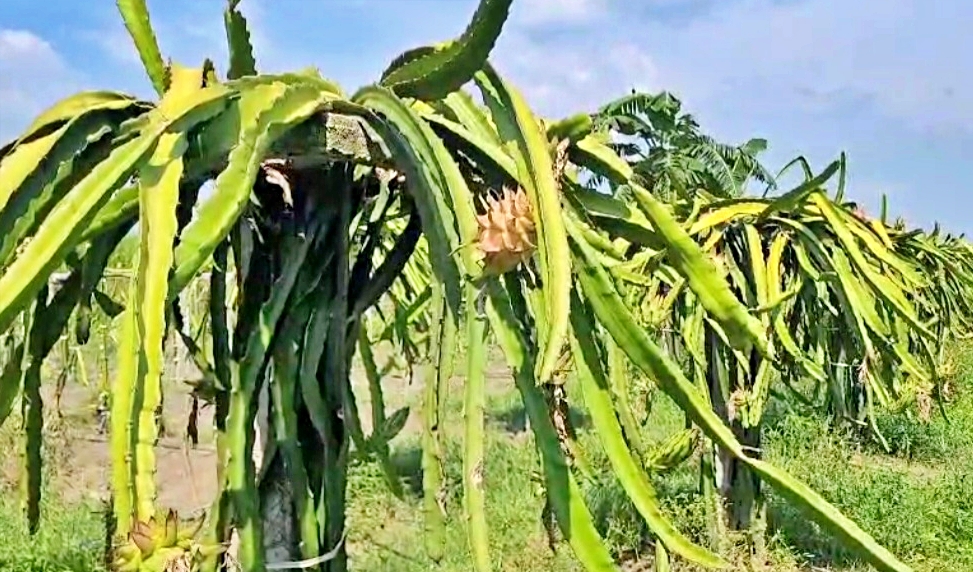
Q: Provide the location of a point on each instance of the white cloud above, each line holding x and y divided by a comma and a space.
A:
558, 79
544, 12
32, 76
888, 81
115, 42
20, 43
906, 59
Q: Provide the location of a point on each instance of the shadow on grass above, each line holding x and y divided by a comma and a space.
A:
407, 464
802, 536
513, 418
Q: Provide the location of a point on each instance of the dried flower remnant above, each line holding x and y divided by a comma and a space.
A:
507, 234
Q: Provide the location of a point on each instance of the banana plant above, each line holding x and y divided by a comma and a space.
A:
670, 154
289, 237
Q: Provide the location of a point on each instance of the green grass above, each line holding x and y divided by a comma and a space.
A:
71, 538
387, 532
917, 501
921, 510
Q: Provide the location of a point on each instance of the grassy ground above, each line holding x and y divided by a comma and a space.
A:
917, 501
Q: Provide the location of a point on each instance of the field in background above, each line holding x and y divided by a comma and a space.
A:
918, 501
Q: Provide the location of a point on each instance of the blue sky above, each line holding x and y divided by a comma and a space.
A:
888, 81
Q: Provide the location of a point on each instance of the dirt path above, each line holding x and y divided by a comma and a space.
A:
186, 475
